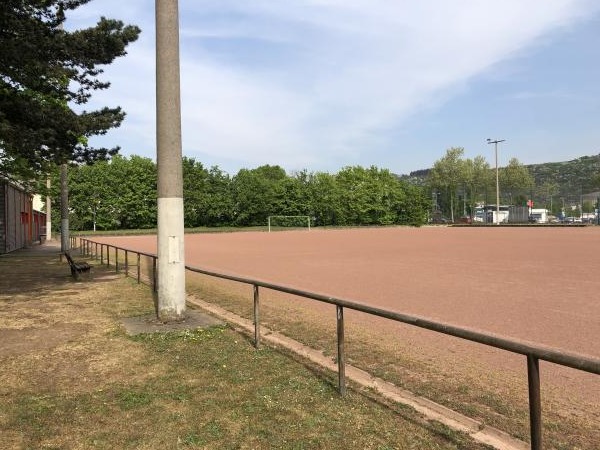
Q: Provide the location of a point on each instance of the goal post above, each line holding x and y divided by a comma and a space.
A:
288, 221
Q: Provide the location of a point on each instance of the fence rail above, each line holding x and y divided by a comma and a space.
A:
533, 352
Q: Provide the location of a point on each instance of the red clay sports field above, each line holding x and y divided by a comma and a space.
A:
536, 284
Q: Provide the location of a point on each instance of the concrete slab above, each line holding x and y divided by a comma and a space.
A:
150, 324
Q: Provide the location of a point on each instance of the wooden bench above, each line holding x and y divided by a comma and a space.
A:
78, 267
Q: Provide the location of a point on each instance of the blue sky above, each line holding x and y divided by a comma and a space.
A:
323, 84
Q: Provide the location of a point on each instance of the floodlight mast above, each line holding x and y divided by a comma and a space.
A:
496, 142
171, 259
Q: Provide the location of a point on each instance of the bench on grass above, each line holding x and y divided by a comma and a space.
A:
78, 267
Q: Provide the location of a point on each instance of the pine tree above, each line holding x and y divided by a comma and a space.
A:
45, 69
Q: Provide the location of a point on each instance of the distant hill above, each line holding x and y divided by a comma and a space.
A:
574, 178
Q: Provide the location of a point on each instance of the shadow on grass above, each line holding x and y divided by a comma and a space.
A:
40, 271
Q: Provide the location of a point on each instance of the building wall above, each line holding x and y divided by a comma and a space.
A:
2, 217
38, 225
518, 214
20, 225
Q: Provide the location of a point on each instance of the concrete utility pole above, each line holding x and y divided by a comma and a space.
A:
496, 142
171, 259
48, 211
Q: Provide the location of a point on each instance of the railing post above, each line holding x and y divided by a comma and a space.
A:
535, 402
126, 264
101, 253
108, 255
340, 356
116, 259
96, 250
256, 317
138, 268
154, 278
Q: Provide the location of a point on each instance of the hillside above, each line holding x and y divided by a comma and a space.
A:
574, 178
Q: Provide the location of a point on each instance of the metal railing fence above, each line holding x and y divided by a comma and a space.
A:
533, 352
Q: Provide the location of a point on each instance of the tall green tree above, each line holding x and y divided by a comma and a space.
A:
207, 195
135, 195
220, 200
43, 70
324, 198
369, 196
293, 197
256, 193
477, 177
516, 183
547, 191
448, 173
195, 181
116, 194
413, 205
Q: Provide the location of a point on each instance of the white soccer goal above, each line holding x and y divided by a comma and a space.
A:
288, 221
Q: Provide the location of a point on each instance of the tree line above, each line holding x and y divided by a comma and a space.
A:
458, 184
121, 194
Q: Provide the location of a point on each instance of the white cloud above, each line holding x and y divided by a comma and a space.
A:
318, 83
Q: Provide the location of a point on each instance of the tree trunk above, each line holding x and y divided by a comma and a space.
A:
64, 208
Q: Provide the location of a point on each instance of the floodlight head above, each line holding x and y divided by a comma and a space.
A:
489, 140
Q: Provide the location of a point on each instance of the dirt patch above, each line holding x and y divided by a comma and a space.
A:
25, 340
47, 323
533, 284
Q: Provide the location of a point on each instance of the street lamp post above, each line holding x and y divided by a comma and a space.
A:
581, 207
496, 142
